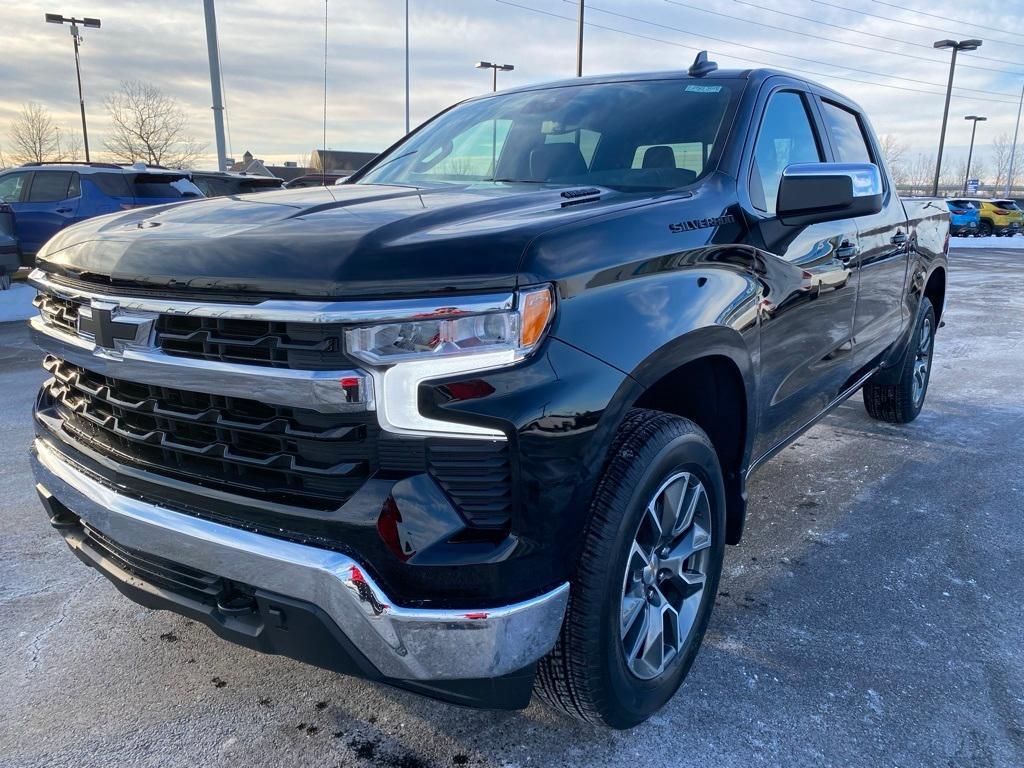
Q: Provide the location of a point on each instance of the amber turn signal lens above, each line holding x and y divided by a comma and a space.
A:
536, 311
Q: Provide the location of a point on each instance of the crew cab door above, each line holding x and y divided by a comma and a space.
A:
884, 241
809, 282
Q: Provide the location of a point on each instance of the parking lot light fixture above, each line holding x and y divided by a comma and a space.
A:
494, 71
962, 45
970, 153
91, 23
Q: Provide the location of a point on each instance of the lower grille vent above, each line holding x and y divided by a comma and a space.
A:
477, 477
198, 585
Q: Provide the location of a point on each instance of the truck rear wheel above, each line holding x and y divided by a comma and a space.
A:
898, 396
646, 583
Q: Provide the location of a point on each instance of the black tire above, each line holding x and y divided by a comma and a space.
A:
587, 674
897, 395
984, 229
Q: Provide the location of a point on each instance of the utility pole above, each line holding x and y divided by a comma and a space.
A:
76, 36
579, 43
213, 52
1013, 152
962, 45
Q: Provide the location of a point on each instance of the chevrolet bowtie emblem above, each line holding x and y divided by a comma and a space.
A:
99, 321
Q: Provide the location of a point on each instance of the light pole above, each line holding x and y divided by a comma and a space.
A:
216, 84
56, 18
494, 123
970, 153
962, 45
1013, 150
407, 67
494, 71
579, 42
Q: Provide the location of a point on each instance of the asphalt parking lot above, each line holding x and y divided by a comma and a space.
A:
873, 615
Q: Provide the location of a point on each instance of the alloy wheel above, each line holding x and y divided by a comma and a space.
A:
666, 573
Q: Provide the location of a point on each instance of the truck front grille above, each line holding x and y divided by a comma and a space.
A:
277, 453
58, 311
302, 346
299, 346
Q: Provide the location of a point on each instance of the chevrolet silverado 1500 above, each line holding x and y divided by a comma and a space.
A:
478, 422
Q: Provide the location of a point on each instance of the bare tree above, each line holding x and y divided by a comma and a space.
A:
1002, 146
69, 145
954, 174
894, 152
920, 171
149, 126
34, 136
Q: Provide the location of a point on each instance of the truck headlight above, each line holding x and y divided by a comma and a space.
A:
403, 354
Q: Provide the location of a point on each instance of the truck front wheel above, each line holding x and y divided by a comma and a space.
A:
898, 395
646, 583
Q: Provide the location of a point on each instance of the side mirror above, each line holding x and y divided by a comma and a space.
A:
811, 193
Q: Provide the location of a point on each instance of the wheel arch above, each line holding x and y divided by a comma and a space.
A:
935, 291
706, 377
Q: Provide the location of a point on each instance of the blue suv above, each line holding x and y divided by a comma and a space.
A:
964, 217
46, 197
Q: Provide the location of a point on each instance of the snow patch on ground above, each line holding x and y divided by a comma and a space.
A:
1008, 243
16, 303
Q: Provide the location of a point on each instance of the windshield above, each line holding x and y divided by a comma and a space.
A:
655, 134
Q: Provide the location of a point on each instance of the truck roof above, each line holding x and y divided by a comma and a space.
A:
680, 74
754, 75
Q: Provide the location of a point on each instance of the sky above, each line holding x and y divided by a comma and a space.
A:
272, 57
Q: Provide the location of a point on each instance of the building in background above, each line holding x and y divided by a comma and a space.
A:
320, 161
338, 161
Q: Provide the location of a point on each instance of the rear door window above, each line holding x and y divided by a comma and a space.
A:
12, 186
847, 134
50, 186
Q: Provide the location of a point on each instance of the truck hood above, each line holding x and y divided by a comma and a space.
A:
342, 241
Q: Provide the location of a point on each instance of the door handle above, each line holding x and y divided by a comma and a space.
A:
847, 252
900, 238
63, 210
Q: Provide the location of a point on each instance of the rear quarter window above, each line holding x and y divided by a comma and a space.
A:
111, 184
848, 137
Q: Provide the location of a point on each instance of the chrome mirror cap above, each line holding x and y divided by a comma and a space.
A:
865, 178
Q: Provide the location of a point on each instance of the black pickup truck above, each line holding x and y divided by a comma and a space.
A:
478, 422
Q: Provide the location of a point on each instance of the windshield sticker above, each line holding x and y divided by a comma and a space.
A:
703, 88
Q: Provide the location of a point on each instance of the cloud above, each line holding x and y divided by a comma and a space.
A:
272, 60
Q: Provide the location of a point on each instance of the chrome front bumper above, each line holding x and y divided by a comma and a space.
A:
402, 643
